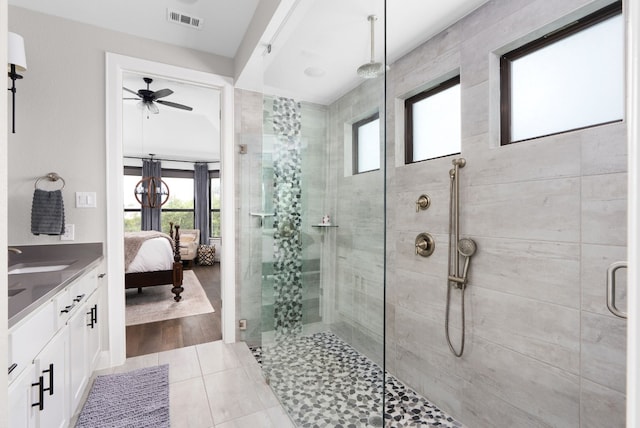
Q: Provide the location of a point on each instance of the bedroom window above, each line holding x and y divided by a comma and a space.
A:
432, 122
214, 227
132, 212
570, 79
366, 144
179, 209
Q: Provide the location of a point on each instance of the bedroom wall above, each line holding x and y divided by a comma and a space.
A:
60, 114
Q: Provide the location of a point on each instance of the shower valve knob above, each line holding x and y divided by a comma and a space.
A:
425, 245
423, 203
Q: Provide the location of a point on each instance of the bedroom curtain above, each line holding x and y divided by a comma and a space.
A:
151, 216
202, 191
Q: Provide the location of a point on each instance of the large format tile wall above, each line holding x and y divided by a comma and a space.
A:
548, 215
354, 277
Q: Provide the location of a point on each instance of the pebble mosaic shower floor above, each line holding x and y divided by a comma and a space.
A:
323, 382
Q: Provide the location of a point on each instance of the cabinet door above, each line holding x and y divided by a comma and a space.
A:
51, 363
78, 365
23, 400
95, 316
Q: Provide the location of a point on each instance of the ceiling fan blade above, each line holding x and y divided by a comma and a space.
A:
176, 105
129, 90
162, 93
131, 99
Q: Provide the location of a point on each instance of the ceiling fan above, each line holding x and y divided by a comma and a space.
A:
149, 98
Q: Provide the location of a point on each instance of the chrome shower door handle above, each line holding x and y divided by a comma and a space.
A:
611, 288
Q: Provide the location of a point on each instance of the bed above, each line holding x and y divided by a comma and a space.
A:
153, 258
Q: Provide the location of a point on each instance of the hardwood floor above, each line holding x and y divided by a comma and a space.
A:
180, 332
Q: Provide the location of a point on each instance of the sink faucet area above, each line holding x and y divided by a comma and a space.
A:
37, 272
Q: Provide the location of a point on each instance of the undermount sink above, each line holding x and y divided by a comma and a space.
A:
14, 291
36, 268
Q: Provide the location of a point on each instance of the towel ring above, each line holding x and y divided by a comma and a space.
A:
52, 176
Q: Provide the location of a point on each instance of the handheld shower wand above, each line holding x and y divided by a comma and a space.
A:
467, 248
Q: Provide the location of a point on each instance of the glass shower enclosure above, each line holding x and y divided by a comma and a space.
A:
322, 251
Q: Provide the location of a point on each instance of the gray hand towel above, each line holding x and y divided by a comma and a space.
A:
47, 213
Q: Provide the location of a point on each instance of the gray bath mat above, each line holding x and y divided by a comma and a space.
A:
139, 398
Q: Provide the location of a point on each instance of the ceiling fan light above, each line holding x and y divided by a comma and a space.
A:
152, 107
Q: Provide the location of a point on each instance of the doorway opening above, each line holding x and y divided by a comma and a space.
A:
119, 69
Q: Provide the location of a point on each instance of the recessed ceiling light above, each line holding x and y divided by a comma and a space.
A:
314, 71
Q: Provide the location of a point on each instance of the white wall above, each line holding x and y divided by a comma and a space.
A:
4, 352
60, 114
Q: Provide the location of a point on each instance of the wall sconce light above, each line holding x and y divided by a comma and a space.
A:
17, 60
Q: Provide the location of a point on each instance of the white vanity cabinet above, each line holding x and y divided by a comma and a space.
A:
84, 341
55, 349
21, 395
52, 390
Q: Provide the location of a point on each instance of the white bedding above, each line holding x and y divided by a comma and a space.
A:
154, 254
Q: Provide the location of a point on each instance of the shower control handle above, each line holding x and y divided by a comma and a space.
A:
423, 203
425, 244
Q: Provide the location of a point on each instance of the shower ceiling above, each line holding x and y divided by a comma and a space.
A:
327, 38
334, 36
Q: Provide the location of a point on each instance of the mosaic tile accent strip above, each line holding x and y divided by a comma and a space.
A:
322, 382
287, 174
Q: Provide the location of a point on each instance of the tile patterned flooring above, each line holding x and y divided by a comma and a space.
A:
214, 385
320, 379
324, 382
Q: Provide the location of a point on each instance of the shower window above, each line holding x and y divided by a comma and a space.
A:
432, 122
570, 79
366, 144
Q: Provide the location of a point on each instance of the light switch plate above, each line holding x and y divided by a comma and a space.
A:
85, 199
69, 233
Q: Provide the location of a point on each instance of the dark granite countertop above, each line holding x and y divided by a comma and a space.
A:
28, 291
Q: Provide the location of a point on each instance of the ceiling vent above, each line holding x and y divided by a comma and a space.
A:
183, 19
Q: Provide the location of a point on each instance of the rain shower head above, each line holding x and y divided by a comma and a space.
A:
371, 69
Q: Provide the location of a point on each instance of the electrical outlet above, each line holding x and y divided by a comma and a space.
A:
69, 233
242, 324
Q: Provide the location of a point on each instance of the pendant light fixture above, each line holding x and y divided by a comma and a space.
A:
371, 69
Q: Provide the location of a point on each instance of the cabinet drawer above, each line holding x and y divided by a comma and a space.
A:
74, 296
30, 336
80, 290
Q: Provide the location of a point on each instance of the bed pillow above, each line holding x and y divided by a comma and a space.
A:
206, 255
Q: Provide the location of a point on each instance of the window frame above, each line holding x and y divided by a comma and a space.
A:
181, 173
533, 46
134, 171
213, 174
355, 143
408, 116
